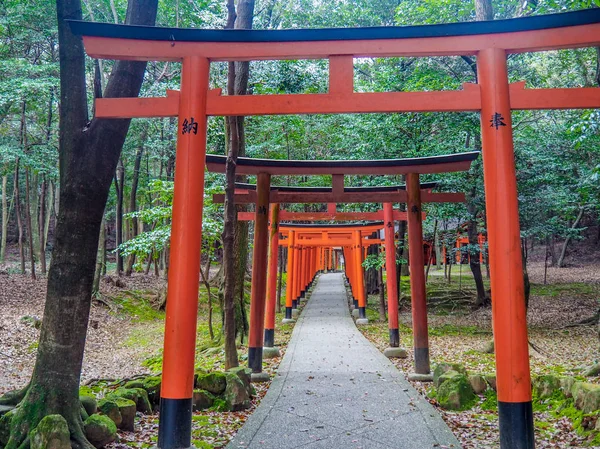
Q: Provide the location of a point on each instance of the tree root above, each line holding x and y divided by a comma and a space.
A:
14, 397
34, 406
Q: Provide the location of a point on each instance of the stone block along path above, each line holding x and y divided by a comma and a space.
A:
335, 390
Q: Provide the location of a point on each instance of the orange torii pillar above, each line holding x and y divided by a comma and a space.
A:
509, 316
289, 289
269, 349
259, 277
360, 280
417, 275
392, 287
296, 277
301, 272
175, 425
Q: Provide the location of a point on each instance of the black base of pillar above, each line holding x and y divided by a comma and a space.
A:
302, 294
294, 304
422, 361
270, 337
288, 313
394, 338
516, 425
355, 302
175, 423
362, 312
255, 357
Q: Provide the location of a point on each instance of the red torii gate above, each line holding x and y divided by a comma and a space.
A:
387, 214
411, 194
493, 96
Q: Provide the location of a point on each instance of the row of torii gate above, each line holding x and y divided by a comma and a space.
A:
304, 241
492, 96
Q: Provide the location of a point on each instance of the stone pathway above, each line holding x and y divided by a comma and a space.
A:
335, 390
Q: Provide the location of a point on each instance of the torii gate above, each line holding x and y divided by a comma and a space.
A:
387, 214
493, 97
412, 194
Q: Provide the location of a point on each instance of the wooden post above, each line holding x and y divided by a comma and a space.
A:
417, 275
272, 278
390, 268
259, 273
509, 316
175, 423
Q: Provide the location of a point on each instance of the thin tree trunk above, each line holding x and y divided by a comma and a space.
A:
526, 283
438, 250
435, 226
4, 219
34, 210
563, 252
41, 227
99, 257
231, 357
382, 305
30, 231
546, 262
119, 187
133, 201
552, 248
205, 276
17, 197
49, 208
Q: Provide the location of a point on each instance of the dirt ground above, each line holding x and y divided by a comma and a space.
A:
107, 353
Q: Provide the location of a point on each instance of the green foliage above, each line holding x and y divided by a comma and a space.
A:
490, 402
374, 261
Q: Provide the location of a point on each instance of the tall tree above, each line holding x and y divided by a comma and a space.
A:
88, 153
235, 240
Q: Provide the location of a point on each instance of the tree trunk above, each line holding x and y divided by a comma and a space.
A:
49, 208
474, 252
4, 219
17, 197
526, 283
120, 190
563, 252
438, 250
235, 236
41, 227
30, 231
99, 257
205, 275
88, 152
372, 274
484, 10
33, 208
133, 200
382, 305
431, 249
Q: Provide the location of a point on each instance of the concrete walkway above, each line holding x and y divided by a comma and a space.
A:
335, 390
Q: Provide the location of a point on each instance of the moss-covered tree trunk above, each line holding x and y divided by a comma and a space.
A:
88, 154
